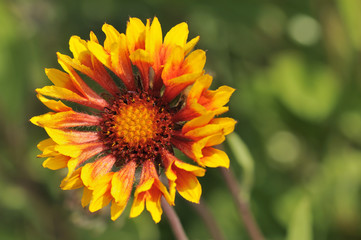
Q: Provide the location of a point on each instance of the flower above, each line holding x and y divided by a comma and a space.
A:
156, 99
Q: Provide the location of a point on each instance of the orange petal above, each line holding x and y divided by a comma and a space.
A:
65, 120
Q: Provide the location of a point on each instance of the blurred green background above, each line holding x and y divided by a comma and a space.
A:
296, 67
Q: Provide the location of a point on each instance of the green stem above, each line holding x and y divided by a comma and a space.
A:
243, 207
174, 221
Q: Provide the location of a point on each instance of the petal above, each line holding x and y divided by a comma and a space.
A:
122, 184
149, 191
190, 45
137, 206
112, 36
63, 93
176, 85
80, 52
45, 143
71, 136
135, 33
72, 181
177, 35
99, 52
153, 205
56, 106
214, 158
173, 65
56, 162
143, 61
120, 63
87, 196
101, 193
65, 120
116, 210
91, 171
188, 186
87, 150
61, 79
182, 176
215, 126
197, 122
81, 86
87, 63
195, 61
154, 37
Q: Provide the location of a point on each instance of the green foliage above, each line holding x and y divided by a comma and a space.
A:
296, 69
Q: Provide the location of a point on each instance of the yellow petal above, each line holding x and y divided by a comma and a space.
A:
215, 126
71, 136
112, 36
177, 35
214, 158
61, 93
66, 119
91, 172
72, 182
172, 67
221, 96
122, 183
87, 195
100, 53
45, 143
190, 45
140, 55
56, 106
195, 61
202, 83
101, 194
195, 170
60, 79
135, 33
116, 210
197, 122
153, 206
78, 47
188, 186
137, 206
154, 37
56, 162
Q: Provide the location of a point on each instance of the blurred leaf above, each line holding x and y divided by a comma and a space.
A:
350, 13
244, 159
300, 225
310, 92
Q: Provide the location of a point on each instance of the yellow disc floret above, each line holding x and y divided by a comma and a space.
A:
136, 123
136, 127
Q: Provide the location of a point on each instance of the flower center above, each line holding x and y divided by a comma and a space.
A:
136, 127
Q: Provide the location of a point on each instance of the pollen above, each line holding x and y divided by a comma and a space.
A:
135, 123
136, 127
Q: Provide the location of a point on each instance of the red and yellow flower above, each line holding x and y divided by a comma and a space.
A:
133, 126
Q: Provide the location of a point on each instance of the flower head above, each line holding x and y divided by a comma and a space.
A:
143, 113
